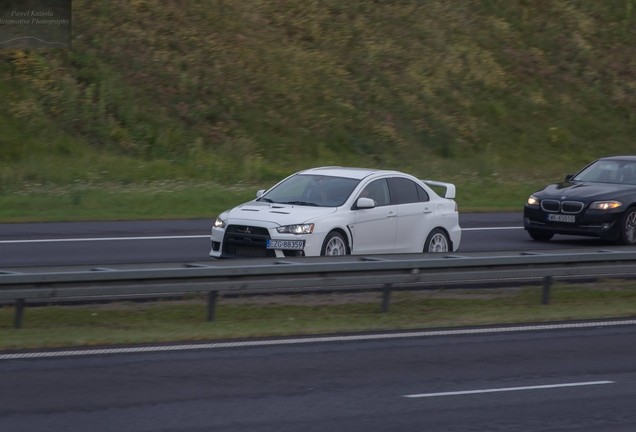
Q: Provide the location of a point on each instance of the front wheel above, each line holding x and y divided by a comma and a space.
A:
437, 241
628, 228
541, 236
334, 244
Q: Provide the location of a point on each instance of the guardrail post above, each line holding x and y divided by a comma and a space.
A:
386, 297
212, 295
19, 313
547, 282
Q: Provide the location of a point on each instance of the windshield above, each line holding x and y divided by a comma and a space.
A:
609, 171
312, 190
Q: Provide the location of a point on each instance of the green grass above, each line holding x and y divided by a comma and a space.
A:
184, 200
498, 96
159, 200
164, 321
183, 109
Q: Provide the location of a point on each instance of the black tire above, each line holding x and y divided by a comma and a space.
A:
542, 236
334, 244
437, 241
627, 235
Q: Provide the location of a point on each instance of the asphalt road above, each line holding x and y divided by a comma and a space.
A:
93, 243
580, 380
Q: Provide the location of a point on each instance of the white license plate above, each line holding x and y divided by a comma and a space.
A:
561, 218
286, 244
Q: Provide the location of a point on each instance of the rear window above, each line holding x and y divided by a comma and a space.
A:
405, 190
422, 194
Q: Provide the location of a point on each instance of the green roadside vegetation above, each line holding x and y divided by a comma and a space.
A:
262, 316
181, 200
182, 109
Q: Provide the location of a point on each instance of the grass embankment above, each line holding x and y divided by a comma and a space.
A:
181, 200
165, 321
498, 96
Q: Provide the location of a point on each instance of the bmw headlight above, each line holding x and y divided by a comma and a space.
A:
296, 229
219, 223
605, 205
533, 201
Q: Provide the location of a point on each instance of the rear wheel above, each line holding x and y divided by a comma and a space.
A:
437, 241
628, 228
334, 244
541, 236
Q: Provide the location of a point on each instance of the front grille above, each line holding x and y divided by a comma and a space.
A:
571, 206
554, 206
247, 230
550, 205
246, 241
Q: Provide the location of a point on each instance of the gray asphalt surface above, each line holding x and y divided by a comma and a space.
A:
188, 240
346, 386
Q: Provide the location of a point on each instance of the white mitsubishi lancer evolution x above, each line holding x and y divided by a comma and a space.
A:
340, 211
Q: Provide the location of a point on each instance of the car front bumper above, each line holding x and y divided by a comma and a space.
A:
234, 241
605, 224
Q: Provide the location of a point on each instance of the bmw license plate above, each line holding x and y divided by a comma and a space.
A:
286, 244
561, 218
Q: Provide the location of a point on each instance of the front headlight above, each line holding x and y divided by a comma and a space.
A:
533, 201
219, 223
296, 229
605, 205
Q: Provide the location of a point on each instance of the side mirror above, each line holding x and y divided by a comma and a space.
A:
364, 203
569, 177
260, 193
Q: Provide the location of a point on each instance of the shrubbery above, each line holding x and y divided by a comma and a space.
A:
251, 90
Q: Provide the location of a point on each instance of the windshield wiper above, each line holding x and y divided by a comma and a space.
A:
265, 199
302, 203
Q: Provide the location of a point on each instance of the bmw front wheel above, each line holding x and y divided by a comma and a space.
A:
334, 244
628, 228
437, 241
542, 236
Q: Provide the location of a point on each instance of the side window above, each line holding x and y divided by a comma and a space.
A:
378, 191
405, 190
422, 194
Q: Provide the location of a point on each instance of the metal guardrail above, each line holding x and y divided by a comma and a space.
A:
332, 273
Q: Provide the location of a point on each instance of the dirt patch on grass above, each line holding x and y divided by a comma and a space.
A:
321, 299
368, 297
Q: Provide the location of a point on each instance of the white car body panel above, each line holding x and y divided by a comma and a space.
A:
279, 214
414, 220
450, 188
399, 228
374, 230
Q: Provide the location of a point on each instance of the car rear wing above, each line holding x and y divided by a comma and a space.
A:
450, 188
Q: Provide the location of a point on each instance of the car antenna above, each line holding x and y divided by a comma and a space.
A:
382, 166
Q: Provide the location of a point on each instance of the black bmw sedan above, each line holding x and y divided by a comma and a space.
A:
598, 201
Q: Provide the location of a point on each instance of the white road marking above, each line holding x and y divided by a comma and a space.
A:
550, 386
491, 228
103, 239
309, 340
59, 240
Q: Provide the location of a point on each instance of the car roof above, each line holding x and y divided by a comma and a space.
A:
622, 158
347, 172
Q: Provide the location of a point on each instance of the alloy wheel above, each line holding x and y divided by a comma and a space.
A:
438, 243
630, 228
335, 246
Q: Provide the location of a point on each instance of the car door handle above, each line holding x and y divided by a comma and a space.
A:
427, 210
391, 215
